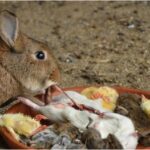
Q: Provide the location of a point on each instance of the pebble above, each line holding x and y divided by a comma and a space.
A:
131, 26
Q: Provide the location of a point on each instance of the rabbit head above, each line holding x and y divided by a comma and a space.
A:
30, 62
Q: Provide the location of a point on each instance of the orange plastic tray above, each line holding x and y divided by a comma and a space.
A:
12, 143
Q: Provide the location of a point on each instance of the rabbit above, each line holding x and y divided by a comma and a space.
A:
27, 66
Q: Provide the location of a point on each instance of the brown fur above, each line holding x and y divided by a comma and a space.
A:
20, 73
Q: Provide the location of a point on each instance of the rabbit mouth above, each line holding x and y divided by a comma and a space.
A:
51, 90
47, 97
48, 92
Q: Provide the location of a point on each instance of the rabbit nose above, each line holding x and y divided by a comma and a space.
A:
55, 75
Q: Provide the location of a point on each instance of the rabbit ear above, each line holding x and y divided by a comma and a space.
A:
8, 28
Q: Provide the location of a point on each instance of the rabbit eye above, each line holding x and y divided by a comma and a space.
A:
40, 55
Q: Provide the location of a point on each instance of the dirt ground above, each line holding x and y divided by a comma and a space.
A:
94, 42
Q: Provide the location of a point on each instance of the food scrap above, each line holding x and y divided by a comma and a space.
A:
145, 105
130, 106
19, 124
60, 138
92, 138
85, 121
66, 136
88, 92
107, 94
105, 122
